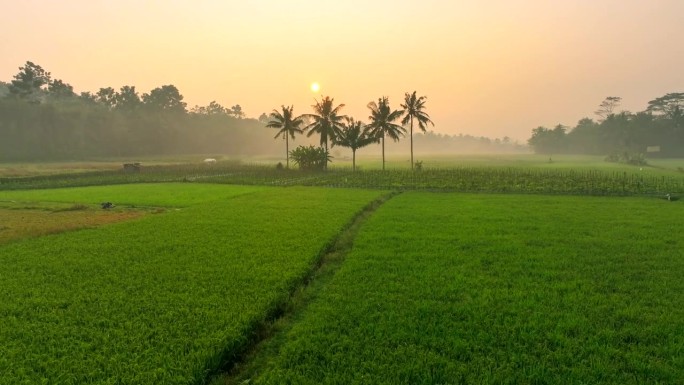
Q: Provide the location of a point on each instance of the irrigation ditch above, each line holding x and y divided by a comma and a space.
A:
242, 363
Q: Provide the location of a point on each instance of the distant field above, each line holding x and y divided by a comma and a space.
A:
141, 194
447, 288
165, 298
544, 284
577, 162
18, 169
365, 161
513, 174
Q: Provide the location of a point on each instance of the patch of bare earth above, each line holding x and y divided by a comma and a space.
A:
19, 223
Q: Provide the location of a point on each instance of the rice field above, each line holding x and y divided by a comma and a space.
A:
470, 178
165, 298
452, 288
234, 274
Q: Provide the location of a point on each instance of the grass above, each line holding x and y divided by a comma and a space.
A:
166, 298
445, 288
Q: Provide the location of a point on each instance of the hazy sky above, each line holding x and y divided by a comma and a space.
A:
491, 68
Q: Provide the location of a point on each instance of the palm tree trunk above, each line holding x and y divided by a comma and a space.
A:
383, 151
326, 154
411, 142
353, 159
287, 152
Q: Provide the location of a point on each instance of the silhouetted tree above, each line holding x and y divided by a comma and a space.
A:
166, 98
325, 121
355, 135
671, 106
106, 97
381, 123
237, 112
546, 141
608, 106
57, 89
127, 99
413, 109
30, 82
288, 126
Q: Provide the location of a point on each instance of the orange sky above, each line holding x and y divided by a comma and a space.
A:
494, 68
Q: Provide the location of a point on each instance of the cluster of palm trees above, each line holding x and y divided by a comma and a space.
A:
345, 131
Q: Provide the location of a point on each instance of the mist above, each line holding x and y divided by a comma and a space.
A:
42, 118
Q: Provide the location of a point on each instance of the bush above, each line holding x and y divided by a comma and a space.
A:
633, 158
310, 158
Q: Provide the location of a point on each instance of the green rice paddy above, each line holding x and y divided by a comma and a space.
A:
166, 298
575, 280
446, 288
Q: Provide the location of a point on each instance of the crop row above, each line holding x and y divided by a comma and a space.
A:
460, 179
444, 288
166, 299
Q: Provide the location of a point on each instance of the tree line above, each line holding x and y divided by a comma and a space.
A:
42, 118
337, 129
658, 131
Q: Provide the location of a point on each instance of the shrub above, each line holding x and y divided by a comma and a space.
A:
633, 158
310, 158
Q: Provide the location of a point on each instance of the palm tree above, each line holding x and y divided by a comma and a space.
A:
325, 121
355, 135
381, 125
413, 108
288, 125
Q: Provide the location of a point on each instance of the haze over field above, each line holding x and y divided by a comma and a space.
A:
492, 69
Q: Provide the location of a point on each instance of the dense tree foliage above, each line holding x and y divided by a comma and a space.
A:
657, 131
310, 158
42, 118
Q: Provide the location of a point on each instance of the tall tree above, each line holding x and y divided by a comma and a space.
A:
355, 135
671, 106
127, 99
546, 141
57, 89
381, 123
30, 82
607, 107
413, 109
325, 121
237, 112
106, 96
166, 98
215, 108
288, 126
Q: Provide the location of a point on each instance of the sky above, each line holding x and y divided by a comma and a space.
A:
490, 68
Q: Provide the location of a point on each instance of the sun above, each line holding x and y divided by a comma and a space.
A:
315, 87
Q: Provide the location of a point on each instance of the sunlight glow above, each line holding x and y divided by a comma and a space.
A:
315, 87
